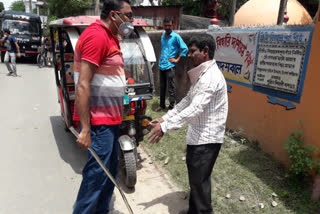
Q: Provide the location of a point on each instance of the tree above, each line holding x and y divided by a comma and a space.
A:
1, 6
63, 8
190, 7
18, 6
310, 5
205, 7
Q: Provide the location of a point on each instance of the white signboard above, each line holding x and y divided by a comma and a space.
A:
279, 67
235, 54
280, 60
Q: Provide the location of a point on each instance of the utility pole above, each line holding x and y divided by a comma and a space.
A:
233, 11
282, 8
30, 6
97, 7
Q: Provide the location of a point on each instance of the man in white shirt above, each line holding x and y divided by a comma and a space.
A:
205, 110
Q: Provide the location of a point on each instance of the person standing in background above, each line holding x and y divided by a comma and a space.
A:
171, 44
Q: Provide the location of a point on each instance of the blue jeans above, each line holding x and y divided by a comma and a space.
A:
96, 188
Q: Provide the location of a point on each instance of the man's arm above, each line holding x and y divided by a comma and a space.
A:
83, 100
157, 133
183, 50
18, 48
197, 105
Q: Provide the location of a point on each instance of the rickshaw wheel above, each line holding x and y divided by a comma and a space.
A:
130, 169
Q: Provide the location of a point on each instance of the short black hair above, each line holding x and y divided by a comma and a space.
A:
167, 20
6, 31
204, 40
109, 5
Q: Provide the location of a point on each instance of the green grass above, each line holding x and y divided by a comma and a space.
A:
242, 169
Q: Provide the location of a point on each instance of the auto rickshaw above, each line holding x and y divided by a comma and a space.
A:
139, 56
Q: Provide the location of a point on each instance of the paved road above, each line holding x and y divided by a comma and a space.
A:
40, 167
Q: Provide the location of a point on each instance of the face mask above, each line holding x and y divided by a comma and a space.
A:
125, 28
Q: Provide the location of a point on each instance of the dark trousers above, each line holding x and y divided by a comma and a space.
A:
96, 188
200, 161
167, 76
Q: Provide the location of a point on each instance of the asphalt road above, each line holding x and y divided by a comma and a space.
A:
40, 165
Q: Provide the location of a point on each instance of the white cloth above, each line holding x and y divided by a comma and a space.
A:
204, 109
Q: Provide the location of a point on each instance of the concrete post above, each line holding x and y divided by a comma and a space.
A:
282, 8
97, 8
30, 6
233, 11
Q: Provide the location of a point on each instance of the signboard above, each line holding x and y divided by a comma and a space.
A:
271, 61
235, 54
280, 60
279, 67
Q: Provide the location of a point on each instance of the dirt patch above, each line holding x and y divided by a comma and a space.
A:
154, 192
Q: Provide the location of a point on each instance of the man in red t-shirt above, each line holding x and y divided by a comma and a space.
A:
100, 85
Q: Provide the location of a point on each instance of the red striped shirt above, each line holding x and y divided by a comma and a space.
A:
100, 47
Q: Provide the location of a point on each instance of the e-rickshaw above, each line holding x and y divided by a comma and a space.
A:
139, 56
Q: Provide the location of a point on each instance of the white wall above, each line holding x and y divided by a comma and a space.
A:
26, 4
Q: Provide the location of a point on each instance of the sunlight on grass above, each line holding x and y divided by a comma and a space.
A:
242, 169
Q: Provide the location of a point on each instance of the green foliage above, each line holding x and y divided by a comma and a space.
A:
300, 155
52, 18
190, 7
224, 7
1, 6
18, 6
199, 7
63, 8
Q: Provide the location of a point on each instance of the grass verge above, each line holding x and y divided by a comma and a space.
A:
242, 169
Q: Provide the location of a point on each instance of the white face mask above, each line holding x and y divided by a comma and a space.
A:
125, 28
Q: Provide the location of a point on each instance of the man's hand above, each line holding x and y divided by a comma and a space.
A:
84, 139
156, 133
19, 55
173, 60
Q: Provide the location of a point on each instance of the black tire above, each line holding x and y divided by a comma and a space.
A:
40, 61
2, 56
130, 169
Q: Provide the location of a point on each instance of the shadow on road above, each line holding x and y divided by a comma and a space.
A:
66, 143
171, 200
111, 206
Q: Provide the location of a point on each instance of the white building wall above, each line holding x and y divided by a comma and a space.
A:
146, 3
26, 5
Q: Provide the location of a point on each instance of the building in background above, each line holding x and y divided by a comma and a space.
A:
38, 7
27, 5
152, 15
